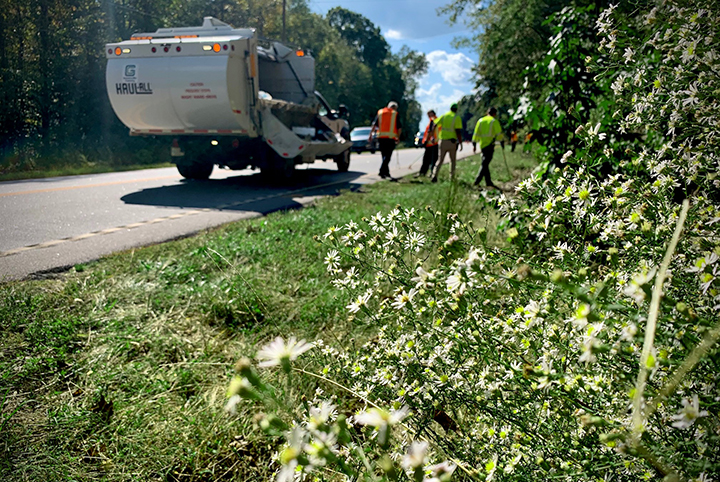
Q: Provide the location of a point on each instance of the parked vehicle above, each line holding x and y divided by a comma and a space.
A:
418, 141
359, 138
224, 99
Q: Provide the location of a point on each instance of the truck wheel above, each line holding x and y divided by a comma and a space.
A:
280, 169
372, 151
195, 170
343, 161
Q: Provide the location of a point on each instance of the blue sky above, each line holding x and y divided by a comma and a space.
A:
415, 23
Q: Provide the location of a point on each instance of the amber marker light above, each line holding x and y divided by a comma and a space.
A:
300, 53
216, 47
118, 50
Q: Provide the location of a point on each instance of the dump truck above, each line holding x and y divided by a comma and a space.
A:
223, 96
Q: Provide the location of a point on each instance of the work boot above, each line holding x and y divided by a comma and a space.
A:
434, 179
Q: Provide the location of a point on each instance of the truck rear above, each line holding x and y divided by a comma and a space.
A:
223, 99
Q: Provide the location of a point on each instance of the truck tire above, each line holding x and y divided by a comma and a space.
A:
279, 169
195, 170
343, 161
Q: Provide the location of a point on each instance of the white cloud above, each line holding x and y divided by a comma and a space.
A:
429, 93
438, 98
455, 69
393, 34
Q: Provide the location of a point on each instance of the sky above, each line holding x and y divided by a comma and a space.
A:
415, 23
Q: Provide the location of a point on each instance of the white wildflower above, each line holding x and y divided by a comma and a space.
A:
378, 418
416, 456
689, 413
359, 302
278, 352
332, 260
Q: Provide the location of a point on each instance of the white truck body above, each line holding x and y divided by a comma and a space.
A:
215, 81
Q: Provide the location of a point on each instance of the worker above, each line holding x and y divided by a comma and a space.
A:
486, 131
450, 125
389, 128
528, 139
430, 141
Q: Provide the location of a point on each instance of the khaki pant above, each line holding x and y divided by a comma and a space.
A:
446, 146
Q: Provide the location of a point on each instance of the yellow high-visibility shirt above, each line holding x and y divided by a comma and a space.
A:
448, 122
486, 130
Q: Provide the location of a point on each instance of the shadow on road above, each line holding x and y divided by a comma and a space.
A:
246, 193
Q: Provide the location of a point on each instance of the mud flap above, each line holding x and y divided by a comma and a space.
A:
281, 139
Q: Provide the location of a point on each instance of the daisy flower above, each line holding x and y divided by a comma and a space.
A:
279, 352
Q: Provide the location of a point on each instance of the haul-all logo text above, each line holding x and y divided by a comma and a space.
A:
131, 86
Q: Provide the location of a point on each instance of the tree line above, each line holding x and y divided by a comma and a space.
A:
55, 110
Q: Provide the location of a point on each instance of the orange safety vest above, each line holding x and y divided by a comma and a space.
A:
387, 124
430, 138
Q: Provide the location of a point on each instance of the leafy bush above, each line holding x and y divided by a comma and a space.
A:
582, 349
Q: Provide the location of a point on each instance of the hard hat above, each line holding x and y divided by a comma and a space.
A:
392, 105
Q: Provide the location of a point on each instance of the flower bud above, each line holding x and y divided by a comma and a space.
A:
244, 367
242, 387
557, 276
523, 272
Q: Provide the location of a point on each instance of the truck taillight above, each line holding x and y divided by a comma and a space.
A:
118, 50
216, 47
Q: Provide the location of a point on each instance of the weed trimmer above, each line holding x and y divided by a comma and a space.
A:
506, 164
416, 160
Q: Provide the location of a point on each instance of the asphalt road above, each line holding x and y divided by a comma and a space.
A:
51, 224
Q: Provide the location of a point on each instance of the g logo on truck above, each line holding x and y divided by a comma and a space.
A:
130, 86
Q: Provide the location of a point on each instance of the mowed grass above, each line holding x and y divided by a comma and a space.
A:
57, 171
117, 370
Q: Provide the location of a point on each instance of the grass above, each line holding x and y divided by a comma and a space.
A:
57, 171
117, 370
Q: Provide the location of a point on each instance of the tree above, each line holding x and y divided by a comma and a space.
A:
511, 35
361, 34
